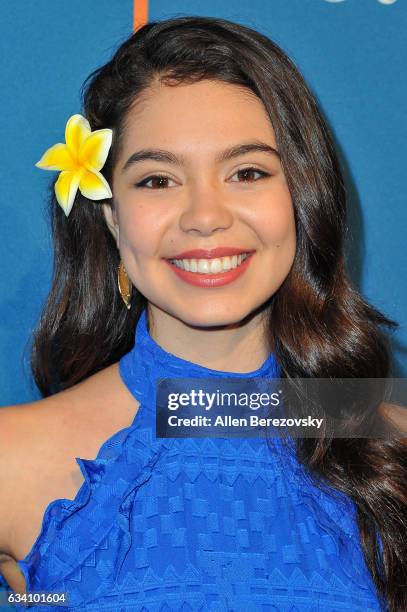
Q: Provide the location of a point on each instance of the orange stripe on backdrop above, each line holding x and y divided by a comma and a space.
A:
140, 13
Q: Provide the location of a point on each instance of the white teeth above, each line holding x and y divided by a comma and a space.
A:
215, 266
203, 265
210, 266
227, 264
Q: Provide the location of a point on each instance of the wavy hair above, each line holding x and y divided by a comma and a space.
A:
319, 324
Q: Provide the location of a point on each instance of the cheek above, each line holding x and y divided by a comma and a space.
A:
276, 220
140, 228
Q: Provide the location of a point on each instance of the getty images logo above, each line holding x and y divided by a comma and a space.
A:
381, 1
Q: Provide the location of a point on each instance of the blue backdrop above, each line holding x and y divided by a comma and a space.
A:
353, 54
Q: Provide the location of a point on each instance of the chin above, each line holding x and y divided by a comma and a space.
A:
207, 311
212, 317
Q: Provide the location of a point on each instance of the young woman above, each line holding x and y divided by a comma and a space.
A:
226, 223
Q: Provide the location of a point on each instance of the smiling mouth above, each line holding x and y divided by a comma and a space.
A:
211, 266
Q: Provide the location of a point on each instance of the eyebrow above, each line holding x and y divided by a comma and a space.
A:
168, 157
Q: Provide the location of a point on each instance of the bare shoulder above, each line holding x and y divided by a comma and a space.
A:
99, 405
39, 442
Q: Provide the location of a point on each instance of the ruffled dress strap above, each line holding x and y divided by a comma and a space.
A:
75, 531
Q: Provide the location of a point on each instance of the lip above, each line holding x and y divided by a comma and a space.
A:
210, 253
211, 280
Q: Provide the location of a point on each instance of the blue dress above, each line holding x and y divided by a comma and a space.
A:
176, 524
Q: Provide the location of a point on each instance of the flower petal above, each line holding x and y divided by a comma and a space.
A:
94, 186
57, 157
76, 132
66, 188
95, 149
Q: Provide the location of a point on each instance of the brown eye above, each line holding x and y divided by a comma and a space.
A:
247, 174
157, 179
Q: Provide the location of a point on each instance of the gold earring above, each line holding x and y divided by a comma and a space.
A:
124, 284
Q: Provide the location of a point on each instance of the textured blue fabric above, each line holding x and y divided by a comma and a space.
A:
197, 524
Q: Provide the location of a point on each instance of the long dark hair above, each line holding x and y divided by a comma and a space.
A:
319, 324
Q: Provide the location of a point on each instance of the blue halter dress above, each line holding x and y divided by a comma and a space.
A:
177, 524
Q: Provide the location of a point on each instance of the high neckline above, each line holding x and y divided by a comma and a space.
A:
169, 363
147, 362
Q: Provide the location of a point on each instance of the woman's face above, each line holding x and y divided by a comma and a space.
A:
202, 201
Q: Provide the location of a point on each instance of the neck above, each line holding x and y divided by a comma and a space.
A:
237, 347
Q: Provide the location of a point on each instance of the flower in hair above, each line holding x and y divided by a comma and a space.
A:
80, 161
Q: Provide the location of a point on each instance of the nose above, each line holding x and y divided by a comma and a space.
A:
206, 210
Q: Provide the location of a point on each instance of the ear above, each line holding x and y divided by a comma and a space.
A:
111, 220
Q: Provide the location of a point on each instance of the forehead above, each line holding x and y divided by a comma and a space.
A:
207, 113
